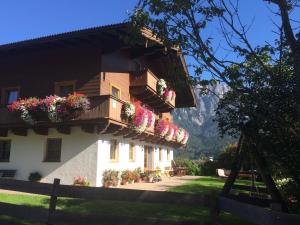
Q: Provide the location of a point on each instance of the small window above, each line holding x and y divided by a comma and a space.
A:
160, 154
131, 152
9, 95
53, 150
115, 92
114, 147
64, 88
168, 154
4, 150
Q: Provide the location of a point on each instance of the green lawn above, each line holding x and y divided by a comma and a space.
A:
165, 211
207, 184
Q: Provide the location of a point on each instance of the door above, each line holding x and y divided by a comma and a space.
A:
148, 157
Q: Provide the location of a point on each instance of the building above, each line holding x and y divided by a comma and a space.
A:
101, 64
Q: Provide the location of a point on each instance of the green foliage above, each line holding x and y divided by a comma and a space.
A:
226, 157
35, 177
192, 167
208, 168
110, 178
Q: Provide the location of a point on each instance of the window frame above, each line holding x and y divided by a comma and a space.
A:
59, 84
4, 91
168, 154
160, 154
9, 151
46, 159
116, 149
132, 148
111, 92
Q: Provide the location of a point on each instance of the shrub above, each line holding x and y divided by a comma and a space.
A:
192, 167
208, 168
35, 177
110, 178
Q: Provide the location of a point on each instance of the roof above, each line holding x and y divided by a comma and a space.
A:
53, 37
90, 33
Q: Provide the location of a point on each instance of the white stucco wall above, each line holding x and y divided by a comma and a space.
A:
122, 163
78, 156
164, 162
82, 154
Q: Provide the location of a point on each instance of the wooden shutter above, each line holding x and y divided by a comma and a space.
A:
53, 150
5, 150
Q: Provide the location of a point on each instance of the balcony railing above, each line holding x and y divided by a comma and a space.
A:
143, 87
104, 114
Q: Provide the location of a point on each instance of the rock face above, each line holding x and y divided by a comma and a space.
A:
204, 136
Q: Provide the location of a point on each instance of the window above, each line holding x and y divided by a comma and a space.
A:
114, 147
131, 152
4, 150
64, 88
115, 92
53, 150
9, 95
160, 154
168, 154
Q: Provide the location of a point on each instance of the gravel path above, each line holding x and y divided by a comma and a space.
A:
164, 185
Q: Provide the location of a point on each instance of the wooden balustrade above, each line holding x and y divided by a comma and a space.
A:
143, 87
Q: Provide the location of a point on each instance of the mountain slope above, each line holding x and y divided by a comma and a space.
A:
204, 136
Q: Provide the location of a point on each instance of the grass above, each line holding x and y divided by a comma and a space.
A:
207, 184
134, 209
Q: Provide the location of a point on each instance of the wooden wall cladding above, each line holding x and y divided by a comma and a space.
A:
36, 70
118, 80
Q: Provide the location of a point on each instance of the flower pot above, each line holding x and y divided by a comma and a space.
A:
150, 179
107, 184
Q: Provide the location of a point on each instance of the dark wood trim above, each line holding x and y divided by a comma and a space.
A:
41, 130
3, 93
58, 84
88, 128
3, 132
21, 131
64, 129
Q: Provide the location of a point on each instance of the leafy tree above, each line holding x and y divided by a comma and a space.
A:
264, 102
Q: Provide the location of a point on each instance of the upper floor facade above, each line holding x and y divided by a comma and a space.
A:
100, 64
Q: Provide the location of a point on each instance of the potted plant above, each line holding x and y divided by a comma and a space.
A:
35, 177
151, 177
110, 178
137, 175
131, 177
125, 177
81, 181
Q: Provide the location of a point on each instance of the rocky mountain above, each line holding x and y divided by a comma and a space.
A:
204, 136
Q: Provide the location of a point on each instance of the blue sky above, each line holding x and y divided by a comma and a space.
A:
27, 19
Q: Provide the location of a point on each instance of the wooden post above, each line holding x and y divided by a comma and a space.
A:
235, 167
53, 200
214, 210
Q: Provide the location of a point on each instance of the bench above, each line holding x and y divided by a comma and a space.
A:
7, 173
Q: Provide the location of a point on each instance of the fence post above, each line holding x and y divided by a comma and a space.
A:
53, 200
214, 208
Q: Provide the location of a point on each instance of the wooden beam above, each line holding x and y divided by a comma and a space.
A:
88, 128
20, 131
123, 131
3, 132
112, 128
41, 130
64, 129
101, 128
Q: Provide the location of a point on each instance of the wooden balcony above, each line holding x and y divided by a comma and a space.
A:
143, 87
104, 117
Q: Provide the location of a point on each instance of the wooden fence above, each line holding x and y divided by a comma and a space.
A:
254, 214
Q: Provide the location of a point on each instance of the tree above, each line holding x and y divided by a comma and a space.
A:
293, 39
248, 69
